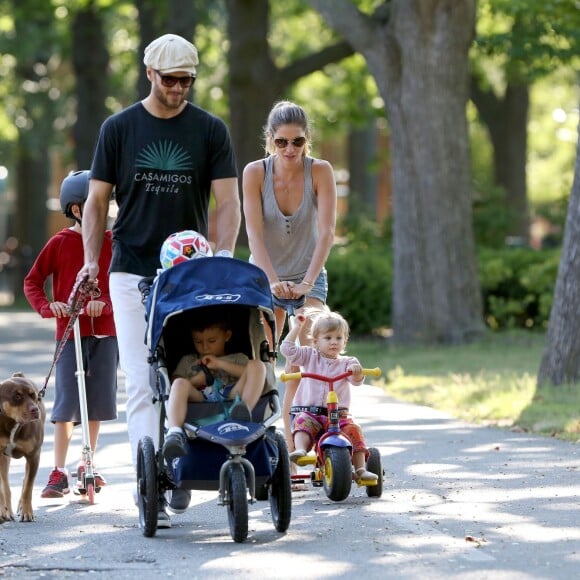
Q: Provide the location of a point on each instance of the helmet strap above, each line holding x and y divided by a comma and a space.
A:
80, 217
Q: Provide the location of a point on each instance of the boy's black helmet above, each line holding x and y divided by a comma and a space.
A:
74, 189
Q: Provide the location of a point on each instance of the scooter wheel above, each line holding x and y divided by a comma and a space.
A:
91, 493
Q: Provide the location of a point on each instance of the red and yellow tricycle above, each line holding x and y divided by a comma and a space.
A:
332, 456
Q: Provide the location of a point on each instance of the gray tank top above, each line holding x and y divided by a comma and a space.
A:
290, 240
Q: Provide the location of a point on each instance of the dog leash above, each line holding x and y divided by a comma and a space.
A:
82, 291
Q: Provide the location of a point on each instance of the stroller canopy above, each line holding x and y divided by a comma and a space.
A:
205, 282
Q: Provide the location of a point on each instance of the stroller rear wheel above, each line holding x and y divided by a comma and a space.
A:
281, 487
147, 496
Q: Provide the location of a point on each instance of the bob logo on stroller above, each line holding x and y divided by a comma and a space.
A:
220, 297
230, 427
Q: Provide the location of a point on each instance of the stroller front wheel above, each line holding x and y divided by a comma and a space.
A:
147, 496
237, 502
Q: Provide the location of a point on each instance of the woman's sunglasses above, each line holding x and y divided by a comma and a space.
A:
171, 81
283, 143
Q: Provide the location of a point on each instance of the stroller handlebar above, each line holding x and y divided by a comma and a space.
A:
376, 372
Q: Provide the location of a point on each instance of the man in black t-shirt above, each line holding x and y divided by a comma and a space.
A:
163, 156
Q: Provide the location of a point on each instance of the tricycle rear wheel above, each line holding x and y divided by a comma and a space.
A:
375, 465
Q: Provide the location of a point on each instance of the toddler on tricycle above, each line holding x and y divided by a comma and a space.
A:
320, 408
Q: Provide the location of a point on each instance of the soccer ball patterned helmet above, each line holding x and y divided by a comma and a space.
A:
183, 246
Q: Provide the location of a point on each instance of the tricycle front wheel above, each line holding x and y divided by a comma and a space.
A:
337, 473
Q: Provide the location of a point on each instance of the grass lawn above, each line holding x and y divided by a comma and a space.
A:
491, 381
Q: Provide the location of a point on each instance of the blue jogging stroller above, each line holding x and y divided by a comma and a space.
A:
244, 461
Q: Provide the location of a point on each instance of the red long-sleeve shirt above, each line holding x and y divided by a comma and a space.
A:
63, 257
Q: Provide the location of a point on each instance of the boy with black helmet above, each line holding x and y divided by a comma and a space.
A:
74, 191
61, 258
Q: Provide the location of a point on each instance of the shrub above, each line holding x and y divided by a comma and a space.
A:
360, 286
517, 285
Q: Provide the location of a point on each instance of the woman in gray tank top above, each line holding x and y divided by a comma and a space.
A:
289, 201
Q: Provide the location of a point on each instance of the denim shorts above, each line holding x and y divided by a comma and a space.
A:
319, 292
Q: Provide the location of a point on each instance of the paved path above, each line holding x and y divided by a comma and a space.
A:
460, 502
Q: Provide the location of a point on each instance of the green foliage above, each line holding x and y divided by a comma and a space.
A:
359, 228
517, 286
212, 45
532, 37
491, 218
552, 137
328, 96
360, 286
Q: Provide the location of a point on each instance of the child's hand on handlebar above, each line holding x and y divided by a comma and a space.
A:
356, 370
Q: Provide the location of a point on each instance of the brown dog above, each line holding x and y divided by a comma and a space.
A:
22, 416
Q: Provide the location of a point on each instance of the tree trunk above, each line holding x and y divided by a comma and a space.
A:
417, 51
362, 167
32, 180
90, 59
561, 359
35, 131
507, 122
254, 80
152, 17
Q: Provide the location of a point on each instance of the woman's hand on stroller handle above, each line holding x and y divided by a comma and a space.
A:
376, 372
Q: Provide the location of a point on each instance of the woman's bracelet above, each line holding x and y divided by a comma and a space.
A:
308, 283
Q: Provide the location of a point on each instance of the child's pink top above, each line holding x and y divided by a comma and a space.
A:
312, 392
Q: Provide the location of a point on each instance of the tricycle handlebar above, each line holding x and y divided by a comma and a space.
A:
376, 372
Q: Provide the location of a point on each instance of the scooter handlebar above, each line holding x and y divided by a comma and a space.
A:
376, 372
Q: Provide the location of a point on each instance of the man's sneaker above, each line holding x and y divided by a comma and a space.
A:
180, 499
240, 412
163, 519
57, 484
175, 445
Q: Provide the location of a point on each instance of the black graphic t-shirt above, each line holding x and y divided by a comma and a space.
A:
162, 171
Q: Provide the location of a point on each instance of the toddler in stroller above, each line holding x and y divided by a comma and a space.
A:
211, 375
243, 457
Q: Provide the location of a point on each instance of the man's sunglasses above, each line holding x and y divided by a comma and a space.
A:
171, 81
283, 143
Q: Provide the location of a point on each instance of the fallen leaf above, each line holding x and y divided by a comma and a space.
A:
474, 540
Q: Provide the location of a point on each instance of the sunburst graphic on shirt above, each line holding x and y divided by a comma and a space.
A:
164, 155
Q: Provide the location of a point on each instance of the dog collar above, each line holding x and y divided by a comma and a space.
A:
11, 444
